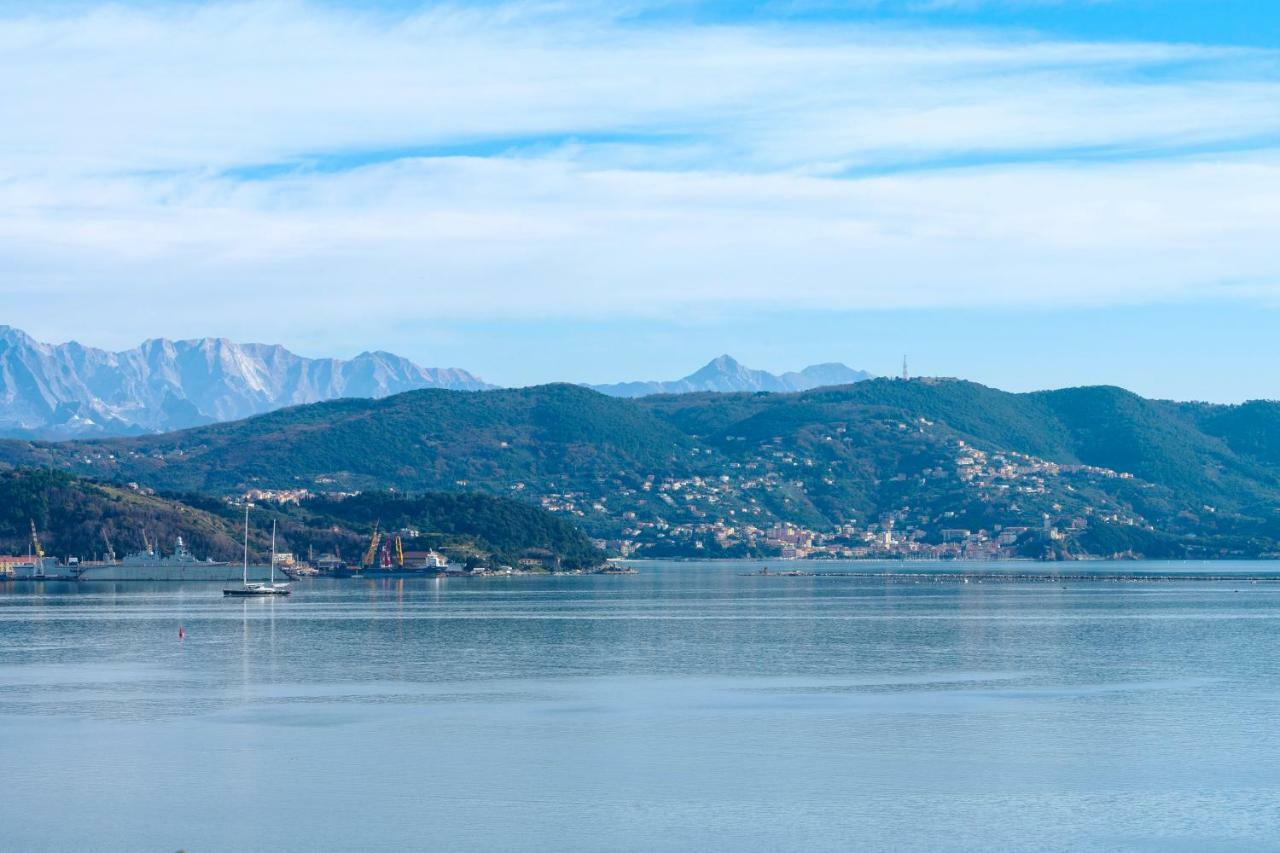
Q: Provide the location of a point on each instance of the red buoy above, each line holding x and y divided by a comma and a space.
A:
182, 635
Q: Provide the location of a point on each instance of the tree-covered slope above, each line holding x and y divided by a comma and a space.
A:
75, 517
78, 518
1224, 454
931, 453
505, 528
415, 441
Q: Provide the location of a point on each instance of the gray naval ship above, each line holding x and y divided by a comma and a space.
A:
150, 565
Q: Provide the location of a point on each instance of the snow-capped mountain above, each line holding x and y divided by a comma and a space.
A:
66, 390
726, 374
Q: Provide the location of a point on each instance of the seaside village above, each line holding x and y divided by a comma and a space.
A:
903, 533
717, 517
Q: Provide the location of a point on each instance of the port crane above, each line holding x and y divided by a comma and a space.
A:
384, 551
372, 554
35, 543
37, 551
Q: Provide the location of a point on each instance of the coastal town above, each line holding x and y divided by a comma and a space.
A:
730, 515
1031, 503
936, 496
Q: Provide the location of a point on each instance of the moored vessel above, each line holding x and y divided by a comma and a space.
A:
247, 589
151, 565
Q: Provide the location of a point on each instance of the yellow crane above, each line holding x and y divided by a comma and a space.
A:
399, 552
372, 553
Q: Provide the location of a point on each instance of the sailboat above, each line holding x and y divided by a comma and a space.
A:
252, 589
277, 588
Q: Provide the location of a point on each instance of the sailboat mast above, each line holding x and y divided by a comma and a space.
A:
273, 552
246, 543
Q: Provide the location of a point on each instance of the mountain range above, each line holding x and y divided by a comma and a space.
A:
726, 375
677, 471
61, 391
70, 390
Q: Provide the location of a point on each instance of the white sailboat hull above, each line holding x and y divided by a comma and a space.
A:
254, 590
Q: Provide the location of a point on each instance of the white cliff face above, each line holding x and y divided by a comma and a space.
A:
725, 374
68, 390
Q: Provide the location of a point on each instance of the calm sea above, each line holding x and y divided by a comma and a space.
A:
685, 708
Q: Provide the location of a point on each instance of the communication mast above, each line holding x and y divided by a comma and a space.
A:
905, 376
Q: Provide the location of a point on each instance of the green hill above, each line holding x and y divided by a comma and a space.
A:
75, 517
415, 441
929, 454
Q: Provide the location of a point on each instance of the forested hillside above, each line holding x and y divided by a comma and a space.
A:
928, 455
415, 441
74, 517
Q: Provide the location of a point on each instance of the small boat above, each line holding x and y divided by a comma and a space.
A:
246, 589
253, 589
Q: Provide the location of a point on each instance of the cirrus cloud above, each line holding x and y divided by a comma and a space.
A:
559, 160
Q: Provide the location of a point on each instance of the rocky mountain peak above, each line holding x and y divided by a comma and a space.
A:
726, 374
163, 385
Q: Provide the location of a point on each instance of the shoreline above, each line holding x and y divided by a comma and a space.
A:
929, 562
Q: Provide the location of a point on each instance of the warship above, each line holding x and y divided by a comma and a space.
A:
150, 565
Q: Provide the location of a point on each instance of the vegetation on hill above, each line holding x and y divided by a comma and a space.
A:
75, 517
505, 530
1205, 478
413, 442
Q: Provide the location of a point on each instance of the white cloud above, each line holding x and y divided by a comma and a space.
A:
626, 168
225, 85
469, 236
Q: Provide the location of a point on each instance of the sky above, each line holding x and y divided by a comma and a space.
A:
1025, 193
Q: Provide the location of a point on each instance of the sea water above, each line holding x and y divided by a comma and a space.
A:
689, 707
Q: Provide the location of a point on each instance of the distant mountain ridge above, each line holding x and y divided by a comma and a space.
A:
727, 375
70, 390
66, 391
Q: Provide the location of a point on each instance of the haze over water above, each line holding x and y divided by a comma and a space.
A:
688, 707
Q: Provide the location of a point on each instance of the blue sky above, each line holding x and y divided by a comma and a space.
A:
1024, 192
